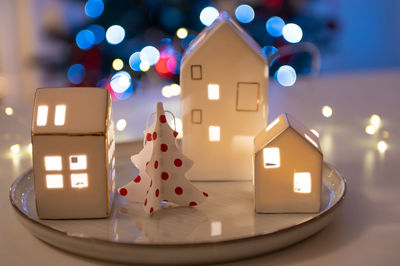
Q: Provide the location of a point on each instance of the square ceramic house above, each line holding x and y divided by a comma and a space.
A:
288, 168
73, 153
224, 81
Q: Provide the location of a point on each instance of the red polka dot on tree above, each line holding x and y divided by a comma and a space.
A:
192, 204
157, 192
164, 147
137, 179
163, 119
164, 176
154, 135
178, 162
148, 137
156, 164
178, 190
123, 191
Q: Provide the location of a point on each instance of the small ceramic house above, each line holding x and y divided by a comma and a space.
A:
288, 168
224, 81
73, 153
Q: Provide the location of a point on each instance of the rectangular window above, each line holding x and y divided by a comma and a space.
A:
59, 118
53, 163
78, 162
271, 158
54, 181
213, 91
247, 96
302, 182
79, 180
214, 133
197, 116
42, 111
196, 72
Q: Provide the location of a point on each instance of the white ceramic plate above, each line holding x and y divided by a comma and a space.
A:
224, 228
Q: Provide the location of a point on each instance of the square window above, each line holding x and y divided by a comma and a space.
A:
78, 162
54, 181
53, 163
42, 111
247, 97
79, 180
59, 118
197, 116
302, 182
196, 72
214, 133
271, 158
213, 91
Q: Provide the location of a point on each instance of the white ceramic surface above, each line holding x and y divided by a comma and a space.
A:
224, 228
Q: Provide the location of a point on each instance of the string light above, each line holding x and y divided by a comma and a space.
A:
117, 64
244, 13
182, 33
121, 124
375, 120
370, 130
9, 111
292, 33
382, 146
327, 111
208, 15
15, 148
115, 34
286, 76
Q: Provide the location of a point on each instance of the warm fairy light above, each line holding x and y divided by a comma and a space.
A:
53, 163
78, 162
117, 64
213, 91
370, 130
121, 124
292, 33
271, 157
79, 180
15, 148
144, 66
182, 33
59, 118
311, 140
214, 133
385, 134
9, 111
315, 132
327, 111
302, 182
54, 181
382, 146
276, 121
375, 120
42, 115
171, 90
165, 91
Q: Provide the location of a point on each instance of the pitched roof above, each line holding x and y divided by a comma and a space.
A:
223, 19
281, 124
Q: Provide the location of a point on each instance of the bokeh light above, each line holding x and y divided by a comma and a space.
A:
15, 148
382, 146
292, 33
208, 15
94, 8
9, 111
120, 82
271, 53
115, 34
29, 148
121, 124
76, 73
144, 66
286, 76
327, 111
98, 31
370, 130
118, 64
150, 54
171, 90
375, 120
134, 61
244, 13
274, 26
315, 132
182, 33
85, 39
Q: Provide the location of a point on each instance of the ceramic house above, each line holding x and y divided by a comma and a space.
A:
224, 81
73, 153
288, 168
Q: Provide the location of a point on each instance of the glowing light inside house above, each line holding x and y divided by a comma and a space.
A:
144, 66
94, 8
76, 73
53, 163
302, 182
85, 39
276, 121
134, 61
15, 148
208, 15
214, 133
271, 157
213, 91
115, 34
375, 120
150, 54
182, 33
79, 180
117, 64
120, 82
59, 118
98, 31
311, 140
54, 181
382, 146
244, 13
42, 111
327, 111
216, 228
78, 162
292, 33
274, 26
315, 132
286, 76
370, 130
121, 124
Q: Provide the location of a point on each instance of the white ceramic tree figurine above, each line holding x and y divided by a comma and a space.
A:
162, 170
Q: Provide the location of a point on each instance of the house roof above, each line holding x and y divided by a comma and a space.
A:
280, 125
207, 32
87, 111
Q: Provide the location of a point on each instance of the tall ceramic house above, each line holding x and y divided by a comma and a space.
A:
224, 101
73, 153
288, 168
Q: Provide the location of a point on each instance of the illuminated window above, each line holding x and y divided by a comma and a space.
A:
79, 180
53, 163
302, 182
42, 115
77, 162
271, 158
247, 97
196, 72
276, 121
311, 140
59, 118
214, 133
213, 91
54, 181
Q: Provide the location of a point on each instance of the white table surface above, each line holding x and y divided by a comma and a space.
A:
367, 230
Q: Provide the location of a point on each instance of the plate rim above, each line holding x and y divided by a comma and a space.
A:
180, 245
